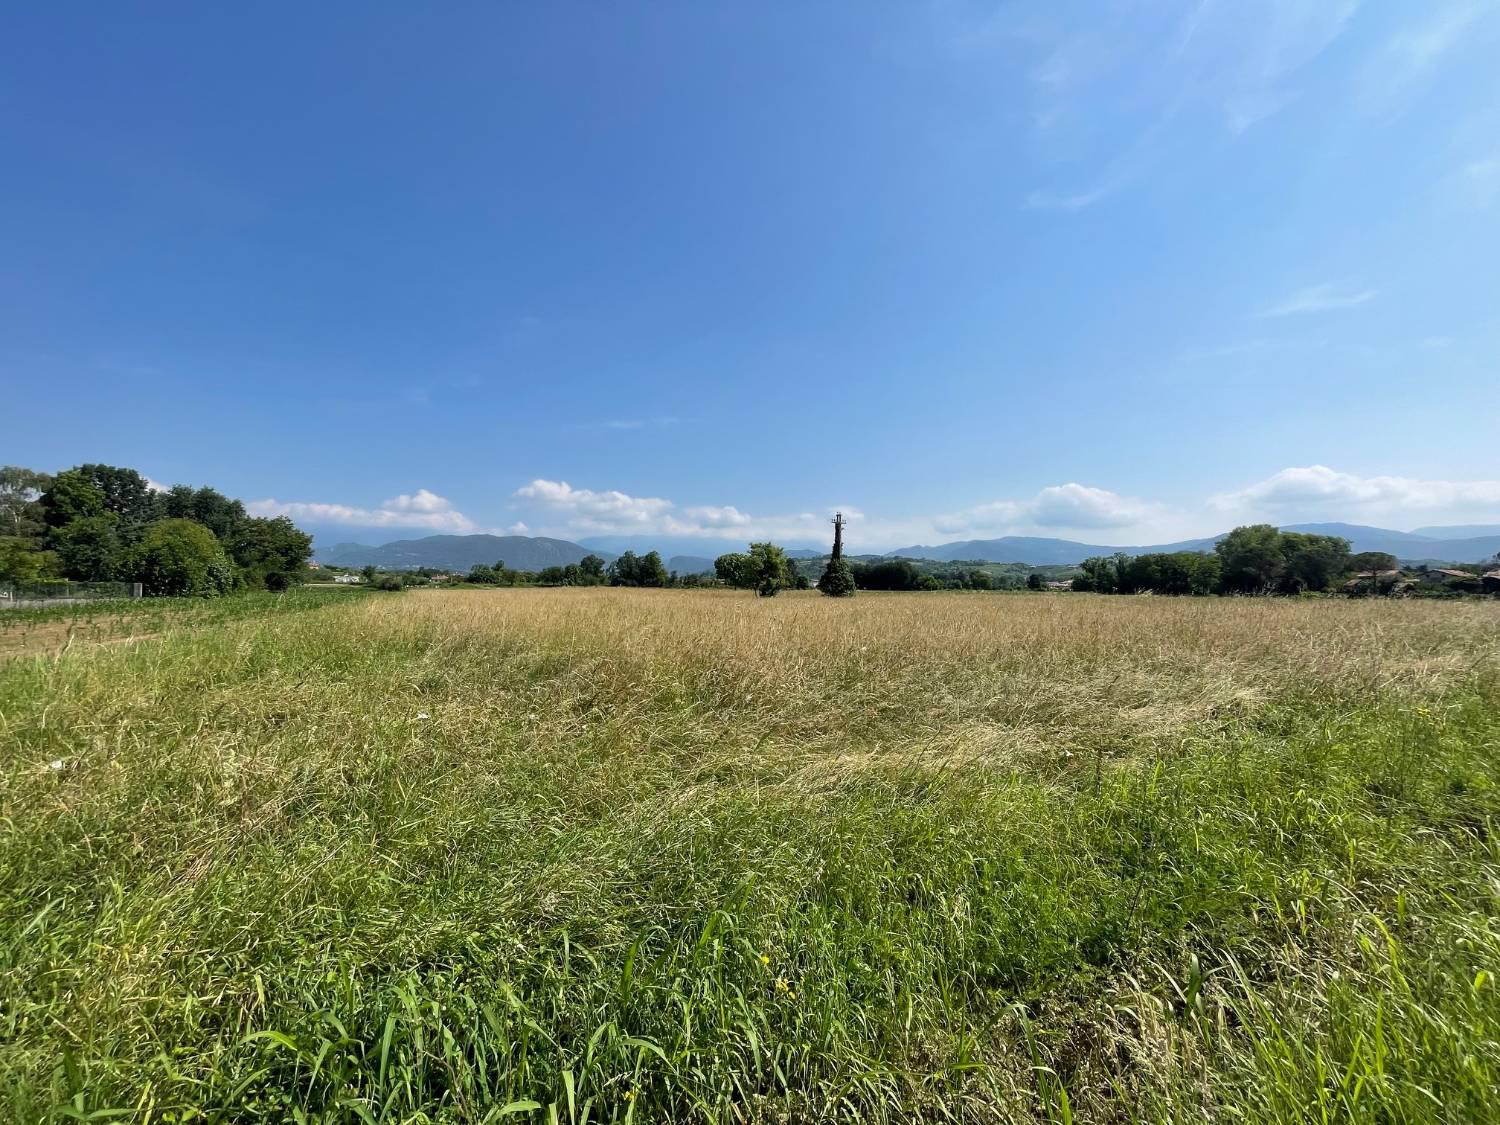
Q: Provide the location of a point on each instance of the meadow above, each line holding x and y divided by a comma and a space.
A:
618, 855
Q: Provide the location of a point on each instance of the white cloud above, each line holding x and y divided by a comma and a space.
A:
597, 511
422, 509
422, 501
726, 516
584, 511
1326, 297
1077, 505
1317, 489
1069, 505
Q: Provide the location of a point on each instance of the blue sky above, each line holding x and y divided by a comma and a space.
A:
1115, 271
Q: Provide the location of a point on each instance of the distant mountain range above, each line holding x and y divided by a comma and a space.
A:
1408, 546
687, 546
460, 552
1035, 552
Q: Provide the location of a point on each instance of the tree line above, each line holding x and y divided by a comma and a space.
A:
101, 523
1257, 559
629, 569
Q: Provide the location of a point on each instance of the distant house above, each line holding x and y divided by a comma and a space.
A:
1068, 585
1378, 581
314, 566
348, 579
1439, 576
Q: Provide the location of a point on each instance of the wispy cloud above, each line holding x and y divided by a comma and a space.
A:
1476, 184
421, 509
1122, 89
1318, 489
1411, 54
1327, 297
631, 423
1046, 201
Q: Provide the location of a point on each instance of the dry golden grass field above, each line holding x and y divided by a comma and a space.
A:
607, 855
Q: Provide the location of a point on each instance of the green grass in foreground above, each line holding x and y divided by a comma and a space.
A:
612, 855
38, 630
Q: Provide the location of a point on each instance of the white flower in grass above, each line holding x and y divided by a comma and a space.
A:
423, 715
55, 764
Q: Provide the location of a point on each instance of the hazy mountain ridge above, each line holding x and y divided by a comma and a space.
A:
460, 552
1036, 551
1406, 546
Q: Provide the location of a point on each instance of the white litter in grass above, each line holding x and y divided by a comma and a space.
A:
423, 715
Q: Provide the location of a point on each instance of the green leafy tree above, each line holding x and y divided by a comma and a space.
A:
1251, 559
888, 574
71, 497
652, 571
21, 513
631, 569
126, 494
1311, 562
837, 580
733, 569
1101, 575
1376, 561
592, 567
181, 558
262, 547
211, 508
20, 561
1178, 572
769, 568
89, 549
1034, 581
625, 570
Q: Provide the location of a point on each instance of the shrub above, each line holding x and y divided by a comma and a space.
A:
278, 580
837, 580
181, 558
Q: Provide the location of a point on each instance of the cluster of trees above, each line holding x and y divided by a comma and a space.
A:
765, 569
1259, 559
97, 523
1178, 572
631, 569
588, 571
904, 574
